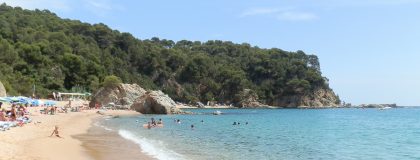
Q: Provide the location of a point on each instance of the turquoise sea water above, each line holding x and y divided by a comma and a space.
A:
294, 134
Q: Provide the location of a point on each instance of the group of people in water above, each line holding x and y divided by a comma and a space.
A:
153, 123
238, 123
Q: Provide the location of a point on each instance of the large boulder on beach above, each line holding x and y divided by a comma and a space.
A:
155, 102
2, 90
122, 95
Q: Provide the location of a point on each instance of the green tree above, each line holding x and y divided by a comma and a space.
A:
111, 81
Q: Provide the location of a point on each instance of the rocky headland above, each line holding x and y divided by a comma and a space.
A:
134, 97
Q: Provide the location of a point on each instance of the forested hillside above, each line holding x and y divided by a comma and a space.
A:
38, 47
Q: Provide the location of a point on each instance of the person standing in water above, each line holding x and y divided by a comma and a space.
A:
160, 121
153, 122
149, 126
192, 127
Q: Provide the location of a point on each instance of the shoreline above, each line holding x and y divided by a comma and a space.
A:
105, 144
32, 141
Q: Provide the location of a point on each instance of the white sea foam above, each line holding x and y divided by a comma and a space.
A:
153, 148
104, 127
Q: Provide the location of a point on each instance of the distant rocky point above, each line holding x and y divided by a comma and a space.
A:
320, 98
378, 105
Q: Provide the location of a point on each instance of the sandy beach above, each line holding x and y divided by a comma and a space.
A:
32, 141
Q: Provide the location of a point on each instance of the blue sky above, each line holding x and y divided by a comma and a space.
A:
369, 49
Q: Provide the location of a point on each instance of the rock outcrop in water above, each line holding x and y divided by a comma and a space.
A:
378, 105
2, 90
155, 102
123, 95
321, 98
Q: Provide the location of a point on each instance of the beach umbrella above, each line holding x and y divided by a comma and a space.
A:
14, 99
35, 102
50, 103
3, 99
40, 103
24, 100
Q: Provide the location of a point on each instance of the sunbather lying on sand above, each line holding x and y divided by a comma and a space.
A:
55, 131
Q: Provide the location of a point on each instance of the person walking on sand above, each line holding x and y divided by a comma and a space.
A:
55, 131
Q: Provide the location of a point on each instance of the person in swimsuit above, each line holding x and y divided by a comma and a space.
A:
3, 115
13, 113
55, 132
149, 125
153, 122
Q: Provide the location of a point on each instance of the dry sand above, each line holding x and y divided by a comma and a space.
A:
32, 141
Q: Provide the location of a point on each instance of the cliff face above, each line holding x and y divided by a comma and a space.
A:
123, 94
155, 102
2, 90
320, 98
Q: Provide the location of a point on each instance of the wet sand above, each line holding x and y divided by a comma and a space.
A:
32, 141
102, 144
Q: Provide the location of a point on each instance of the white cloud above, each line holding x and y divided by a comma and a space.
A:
97, 7
259, 11
296, 16
288, 14
365, 3
102, 7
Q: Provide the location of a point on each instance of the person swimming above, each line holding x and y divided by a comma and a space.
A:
192, 126
234, 123
160, 121
178, 121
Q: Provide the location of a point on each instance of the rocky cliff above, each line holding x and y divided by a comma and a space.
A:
249, 99
2, 90
123, 94
132, 96
320, 98
155, 102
